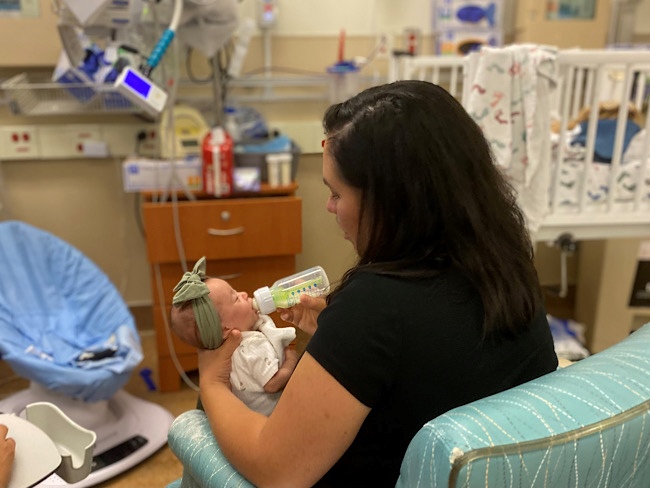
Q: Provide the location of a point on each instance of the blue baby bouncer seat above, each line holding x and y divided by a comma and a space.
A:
66, 328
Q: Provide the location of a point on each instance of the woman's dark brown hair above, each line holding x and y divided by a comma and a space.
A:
431, 194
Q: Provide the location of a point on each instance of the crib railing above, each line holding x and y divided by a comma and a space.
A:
586, 78
612, 79
446, 71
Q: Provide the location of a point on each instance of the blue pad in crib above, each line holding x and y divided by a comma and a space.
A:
63, 323
605, 135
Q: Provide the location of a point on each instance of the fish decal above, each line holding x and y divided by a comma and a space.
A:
476, 13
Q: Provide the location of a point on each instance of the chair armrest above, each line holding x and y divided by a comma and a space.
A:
192, 441
574, 426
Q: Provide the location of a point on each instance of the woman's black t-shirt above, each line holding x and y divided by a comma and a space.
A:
412, 350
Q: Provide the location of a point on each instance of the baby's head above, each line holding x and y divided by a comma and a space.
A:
234, 310
205, 309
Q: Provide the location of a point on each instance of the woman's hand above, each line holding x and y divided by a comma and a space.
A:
7, 453
215, 365
304, 314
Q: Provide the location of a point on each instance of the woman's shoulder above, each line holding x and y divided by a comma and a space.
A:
369, 285
448, 276
364, 281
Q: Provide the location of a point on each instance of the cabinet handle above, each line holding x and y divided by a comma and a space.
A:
229, 276
226, 232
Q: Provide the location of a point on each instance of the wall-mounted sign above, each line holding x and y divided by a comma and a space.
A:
19, 8
570, 9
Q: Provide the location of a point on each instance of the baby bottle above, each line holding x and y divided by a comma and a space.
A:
286, 292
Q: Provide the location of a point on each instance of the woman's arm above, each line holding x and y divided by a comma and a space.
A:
312, 425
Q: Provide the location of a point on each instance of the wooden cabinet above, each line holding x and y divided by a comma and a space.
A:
249, 242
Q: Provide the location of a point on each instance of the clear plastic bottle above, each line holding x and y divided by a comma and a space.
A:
286, 292
231, 124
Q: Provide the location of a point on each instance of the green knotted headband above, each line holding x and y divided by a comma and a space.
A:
192, 288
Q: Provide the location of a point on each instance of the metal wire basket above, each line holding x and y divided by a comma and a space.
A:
37, 94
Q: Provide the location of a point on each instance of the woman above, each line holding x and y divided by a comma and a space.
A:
443, 306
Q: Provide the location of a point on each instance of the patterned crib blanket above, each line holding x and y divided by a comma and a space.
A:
599, 183
509, 99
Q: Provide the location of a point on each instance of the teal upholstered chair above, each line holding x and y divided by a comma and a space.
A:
586, 425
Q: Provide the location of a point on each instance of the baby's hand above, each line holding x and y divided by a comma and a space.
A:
280, 379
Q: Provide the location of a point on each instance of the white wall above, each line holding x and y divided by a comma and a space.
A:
642, 18
357, 17
364, 17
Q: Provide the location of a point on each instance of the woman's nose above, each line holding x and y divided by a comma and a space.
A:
329, 206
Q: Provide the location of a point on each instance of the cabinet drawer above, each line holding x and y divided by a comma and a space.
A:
224, 229
242, 274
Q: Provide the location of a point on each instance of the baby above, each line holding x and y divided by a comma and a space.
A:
206, 309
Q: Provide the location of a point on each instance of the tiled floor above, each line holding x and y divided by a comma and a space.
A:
161, 468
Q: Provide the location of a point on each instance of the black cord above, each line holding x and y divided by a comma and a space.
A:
190, 72
137, 200
139, 138
130, 49
222, 77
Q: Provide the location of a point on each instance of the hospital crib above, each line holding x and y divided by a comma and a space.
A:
586, 196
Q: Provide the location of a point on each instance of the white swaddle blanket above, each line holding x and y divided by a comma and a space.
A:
509, 99
256, 360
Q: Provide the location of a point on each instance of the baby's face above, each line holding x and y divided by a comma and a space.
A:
234, 308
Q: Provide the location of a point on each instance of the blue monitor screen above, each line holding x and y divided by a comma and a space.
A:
137, 84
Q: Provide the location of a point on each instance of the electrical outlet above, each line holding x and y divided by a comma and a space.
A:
67, 141
19, 142
78, 141
130, 139
150, 141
